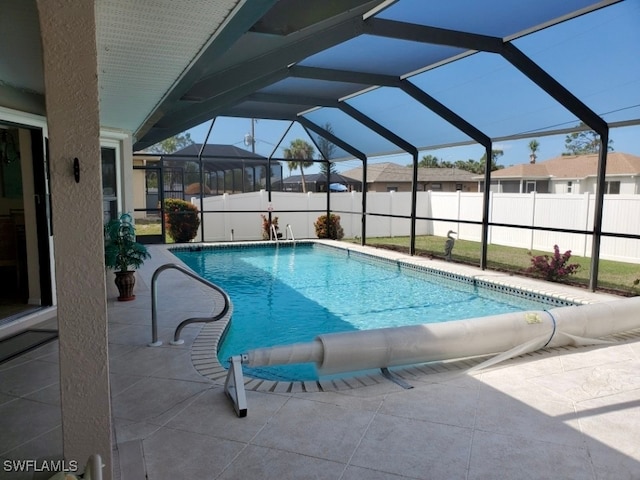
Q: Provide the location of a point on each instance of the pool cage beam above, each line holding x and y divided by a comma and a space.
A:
309, 125
404, 145
477, 42
461, 124
563, 96
426, 100
275, 148
485, 43
201, 167
328, 178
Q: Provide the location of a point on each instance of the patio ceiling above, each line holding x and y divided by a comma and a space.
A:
387, 76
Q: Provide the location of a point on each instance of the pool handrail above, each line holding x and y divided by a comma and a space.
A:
274, 233
289, 231
154, 304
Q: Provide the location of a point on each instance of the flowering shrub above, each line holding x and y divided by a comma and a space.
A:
181, 219
334, 231
266, 226
553, 268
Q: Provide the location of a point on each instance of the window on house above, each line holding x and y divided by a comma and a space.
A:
612, 188
569, 186
458, 186
392, 189
436, 186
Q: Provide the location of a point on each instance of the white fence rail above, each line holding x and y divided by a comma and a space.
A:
572, 212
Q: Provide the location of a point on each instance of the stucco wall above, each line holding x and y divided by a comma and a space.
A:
71, 86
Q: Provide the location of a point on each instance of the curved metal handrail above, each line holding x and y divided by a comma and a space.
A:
290, 231
154, 305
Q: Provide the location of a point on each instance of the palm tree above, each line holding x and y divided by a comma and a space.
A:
534, 145
296, 154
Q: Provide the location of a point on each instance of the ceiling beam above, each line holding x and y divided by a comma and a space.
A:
444, 112
379, 129
344, 76
293, 99
215, 92
425, 34
287, 54
550, 85
239, 22
178, 121
347, 147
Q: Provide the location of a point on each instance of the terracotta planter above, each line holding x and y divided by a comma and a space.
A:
125, 282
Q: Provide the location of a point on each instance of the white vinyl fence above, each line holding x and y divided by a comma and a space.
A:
621, 214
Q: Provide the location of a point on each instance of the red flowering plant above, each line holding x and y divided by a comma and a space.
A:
266, 227
553, 268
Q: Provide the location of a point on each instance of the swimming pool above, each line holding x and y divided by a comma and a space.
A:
291, 294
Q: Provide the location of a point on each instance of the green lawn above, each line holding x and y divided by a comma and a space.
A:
150, 228
617, 276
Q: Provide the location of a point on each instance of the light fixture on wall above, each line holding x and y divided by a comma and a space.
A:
8, 148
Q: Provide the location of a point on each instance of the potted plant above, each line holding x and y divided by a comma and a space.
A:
123, 254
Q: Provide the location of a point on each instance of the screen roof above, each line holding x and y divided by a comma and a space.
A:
411, 75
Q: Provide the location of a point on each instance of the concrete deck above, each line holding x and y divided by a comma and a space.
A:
570, 413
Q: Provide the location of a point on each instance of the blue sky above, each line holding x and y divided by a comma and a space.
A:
594, 56
268, 132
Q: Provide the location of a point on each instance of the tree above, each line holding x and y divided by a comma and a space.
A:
327, 149
327, 152
429, 161
583, 142
534, 145
171, 144
495, 154
328, 169
296, 154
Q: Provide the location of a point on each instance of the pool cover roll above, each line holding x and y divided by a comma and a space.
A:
286, 354
514, 333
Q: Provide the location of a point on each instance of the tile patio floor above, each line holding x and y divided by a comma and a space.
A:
571, 413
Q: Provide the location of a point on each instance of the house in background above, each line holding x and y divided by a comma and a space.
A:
225, 169
568, 174
317, 182
391, 177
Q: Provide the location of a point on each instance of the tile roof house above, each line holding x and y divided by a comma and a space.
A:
386, 177
569, 174
317, 182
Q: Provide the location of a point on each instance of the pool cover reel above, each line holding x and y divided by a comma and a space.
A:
507, 335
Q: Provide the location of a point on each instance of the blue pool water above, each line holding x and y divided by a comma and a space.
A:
291, 294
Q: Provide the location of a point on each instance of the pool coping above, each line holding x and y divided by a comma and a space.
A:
204, 352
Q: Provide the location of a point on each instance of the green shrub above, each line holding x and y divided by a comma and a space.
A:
334, 231
181, 220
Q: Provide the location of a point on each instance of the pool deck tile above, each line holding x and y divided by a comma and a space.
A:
566, 412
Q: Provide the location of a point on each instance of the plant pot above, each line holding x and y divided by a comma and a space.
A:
125, 282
